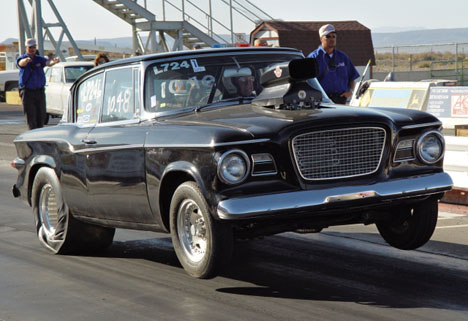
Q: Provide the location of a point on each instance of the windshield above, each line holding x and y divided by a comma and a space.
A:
191, 83
72, 73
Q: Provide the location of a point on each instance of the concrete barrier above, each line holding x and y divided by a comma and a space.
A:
456, 165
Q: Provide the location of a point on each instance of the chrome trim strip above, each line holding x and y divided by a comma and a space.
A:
212, 144
109, 148
51, 140
284, 203
436, 123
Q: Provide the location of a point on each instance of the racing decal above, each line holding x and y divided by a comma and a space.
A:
120, 103
174, 65
278, 71
154, 101
196, 67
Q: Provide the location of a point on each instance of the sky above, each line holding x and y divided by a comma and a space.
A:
86, 20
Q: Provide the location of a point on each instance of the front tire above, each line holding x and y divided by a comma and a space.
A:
202, 244
412, 227
57, 230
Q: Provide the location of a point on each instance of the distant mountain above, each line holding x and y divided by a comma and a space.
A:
8, 41
416, 37
380, 39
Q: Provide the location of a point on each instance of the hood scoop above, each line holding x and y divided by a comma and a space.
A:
285, 86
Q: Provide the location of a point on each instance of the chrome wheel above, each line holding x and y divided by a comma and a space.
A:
48, 211
192, 230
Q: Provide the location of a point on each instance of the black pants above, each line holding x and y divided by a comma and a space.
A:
34, 106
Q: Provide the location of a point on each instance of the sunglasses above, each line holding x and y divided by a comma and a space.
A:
330, 36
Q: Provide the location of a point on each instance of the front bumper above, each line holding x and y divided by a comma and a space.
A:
302, 201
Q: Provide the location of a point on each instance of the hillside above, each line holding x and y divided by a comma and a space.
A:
380, 39
414, 37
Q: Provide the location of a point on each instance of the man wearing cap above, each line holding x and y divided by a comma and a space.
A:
336, 71
31, 83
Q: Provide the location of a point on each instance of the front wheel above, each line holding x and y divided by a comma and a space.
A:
56, 228
202, 244
412, 227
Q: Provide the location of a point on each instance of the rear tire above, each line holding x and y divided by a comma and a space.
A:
202, 244
57, 230
412, 227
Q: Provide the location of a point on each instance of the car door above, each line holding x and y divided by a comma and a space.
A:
79, 119
115, 174
54, 91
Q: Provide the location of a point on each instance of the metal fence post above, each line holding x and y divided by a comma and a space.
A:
232, 24
183, 10
393, 58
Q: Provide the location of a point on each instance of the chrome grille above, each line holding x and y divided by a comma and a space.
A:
339, 153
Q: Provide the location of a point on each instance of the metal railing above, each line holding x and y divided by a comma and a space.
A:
236, 8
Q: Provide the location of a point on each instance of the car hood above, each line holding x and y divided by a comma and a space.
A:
262, 121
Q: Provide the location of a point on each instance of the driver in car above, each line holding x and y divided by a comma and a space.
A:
244, 85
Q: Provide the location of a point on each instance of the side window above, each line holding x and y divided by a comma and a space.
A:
56, 75
118, 96
89, 99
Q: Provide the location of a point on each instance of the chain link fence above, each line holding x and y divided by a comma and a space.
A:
440, 60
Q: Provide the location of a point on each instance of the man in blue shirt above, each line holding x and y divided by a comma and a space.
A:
31, 84
336, 71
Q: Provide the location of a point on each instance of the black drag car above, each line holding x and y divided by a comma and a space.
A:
223, 144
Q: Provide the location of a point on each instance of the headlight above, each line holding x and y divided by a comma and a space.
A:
233, 167
430, 147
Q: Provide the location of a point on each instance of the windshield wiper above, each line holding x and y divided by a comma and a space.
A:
241, 100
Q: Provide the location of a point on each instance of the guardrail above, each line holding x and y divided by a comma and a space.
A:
456, 165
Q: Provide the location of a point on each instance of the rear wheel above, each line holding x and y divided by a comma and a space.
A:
412, 227
56, 228
202, 244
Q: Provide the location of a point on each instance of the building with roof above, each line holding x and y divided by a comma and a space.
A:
353, 38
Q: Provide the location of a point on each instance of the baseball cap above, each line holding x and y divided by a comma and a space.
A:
326, 29
30, 42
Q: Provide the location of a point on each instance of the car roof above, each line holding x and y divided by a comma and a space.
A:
199, 52
190, 53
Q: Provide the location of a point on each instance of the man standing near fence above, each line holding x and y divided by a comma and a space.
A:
336, 71
31, 84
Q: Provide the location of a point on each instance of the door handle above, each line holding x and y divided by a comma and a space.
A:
89, 141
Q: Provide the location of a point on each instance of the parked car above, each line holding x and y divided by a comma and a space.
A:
222, 144
59, 79
8, 82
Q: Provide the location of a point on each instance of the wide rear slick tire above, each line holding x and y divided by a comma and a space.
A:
411, 227
57, 230
202, 244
